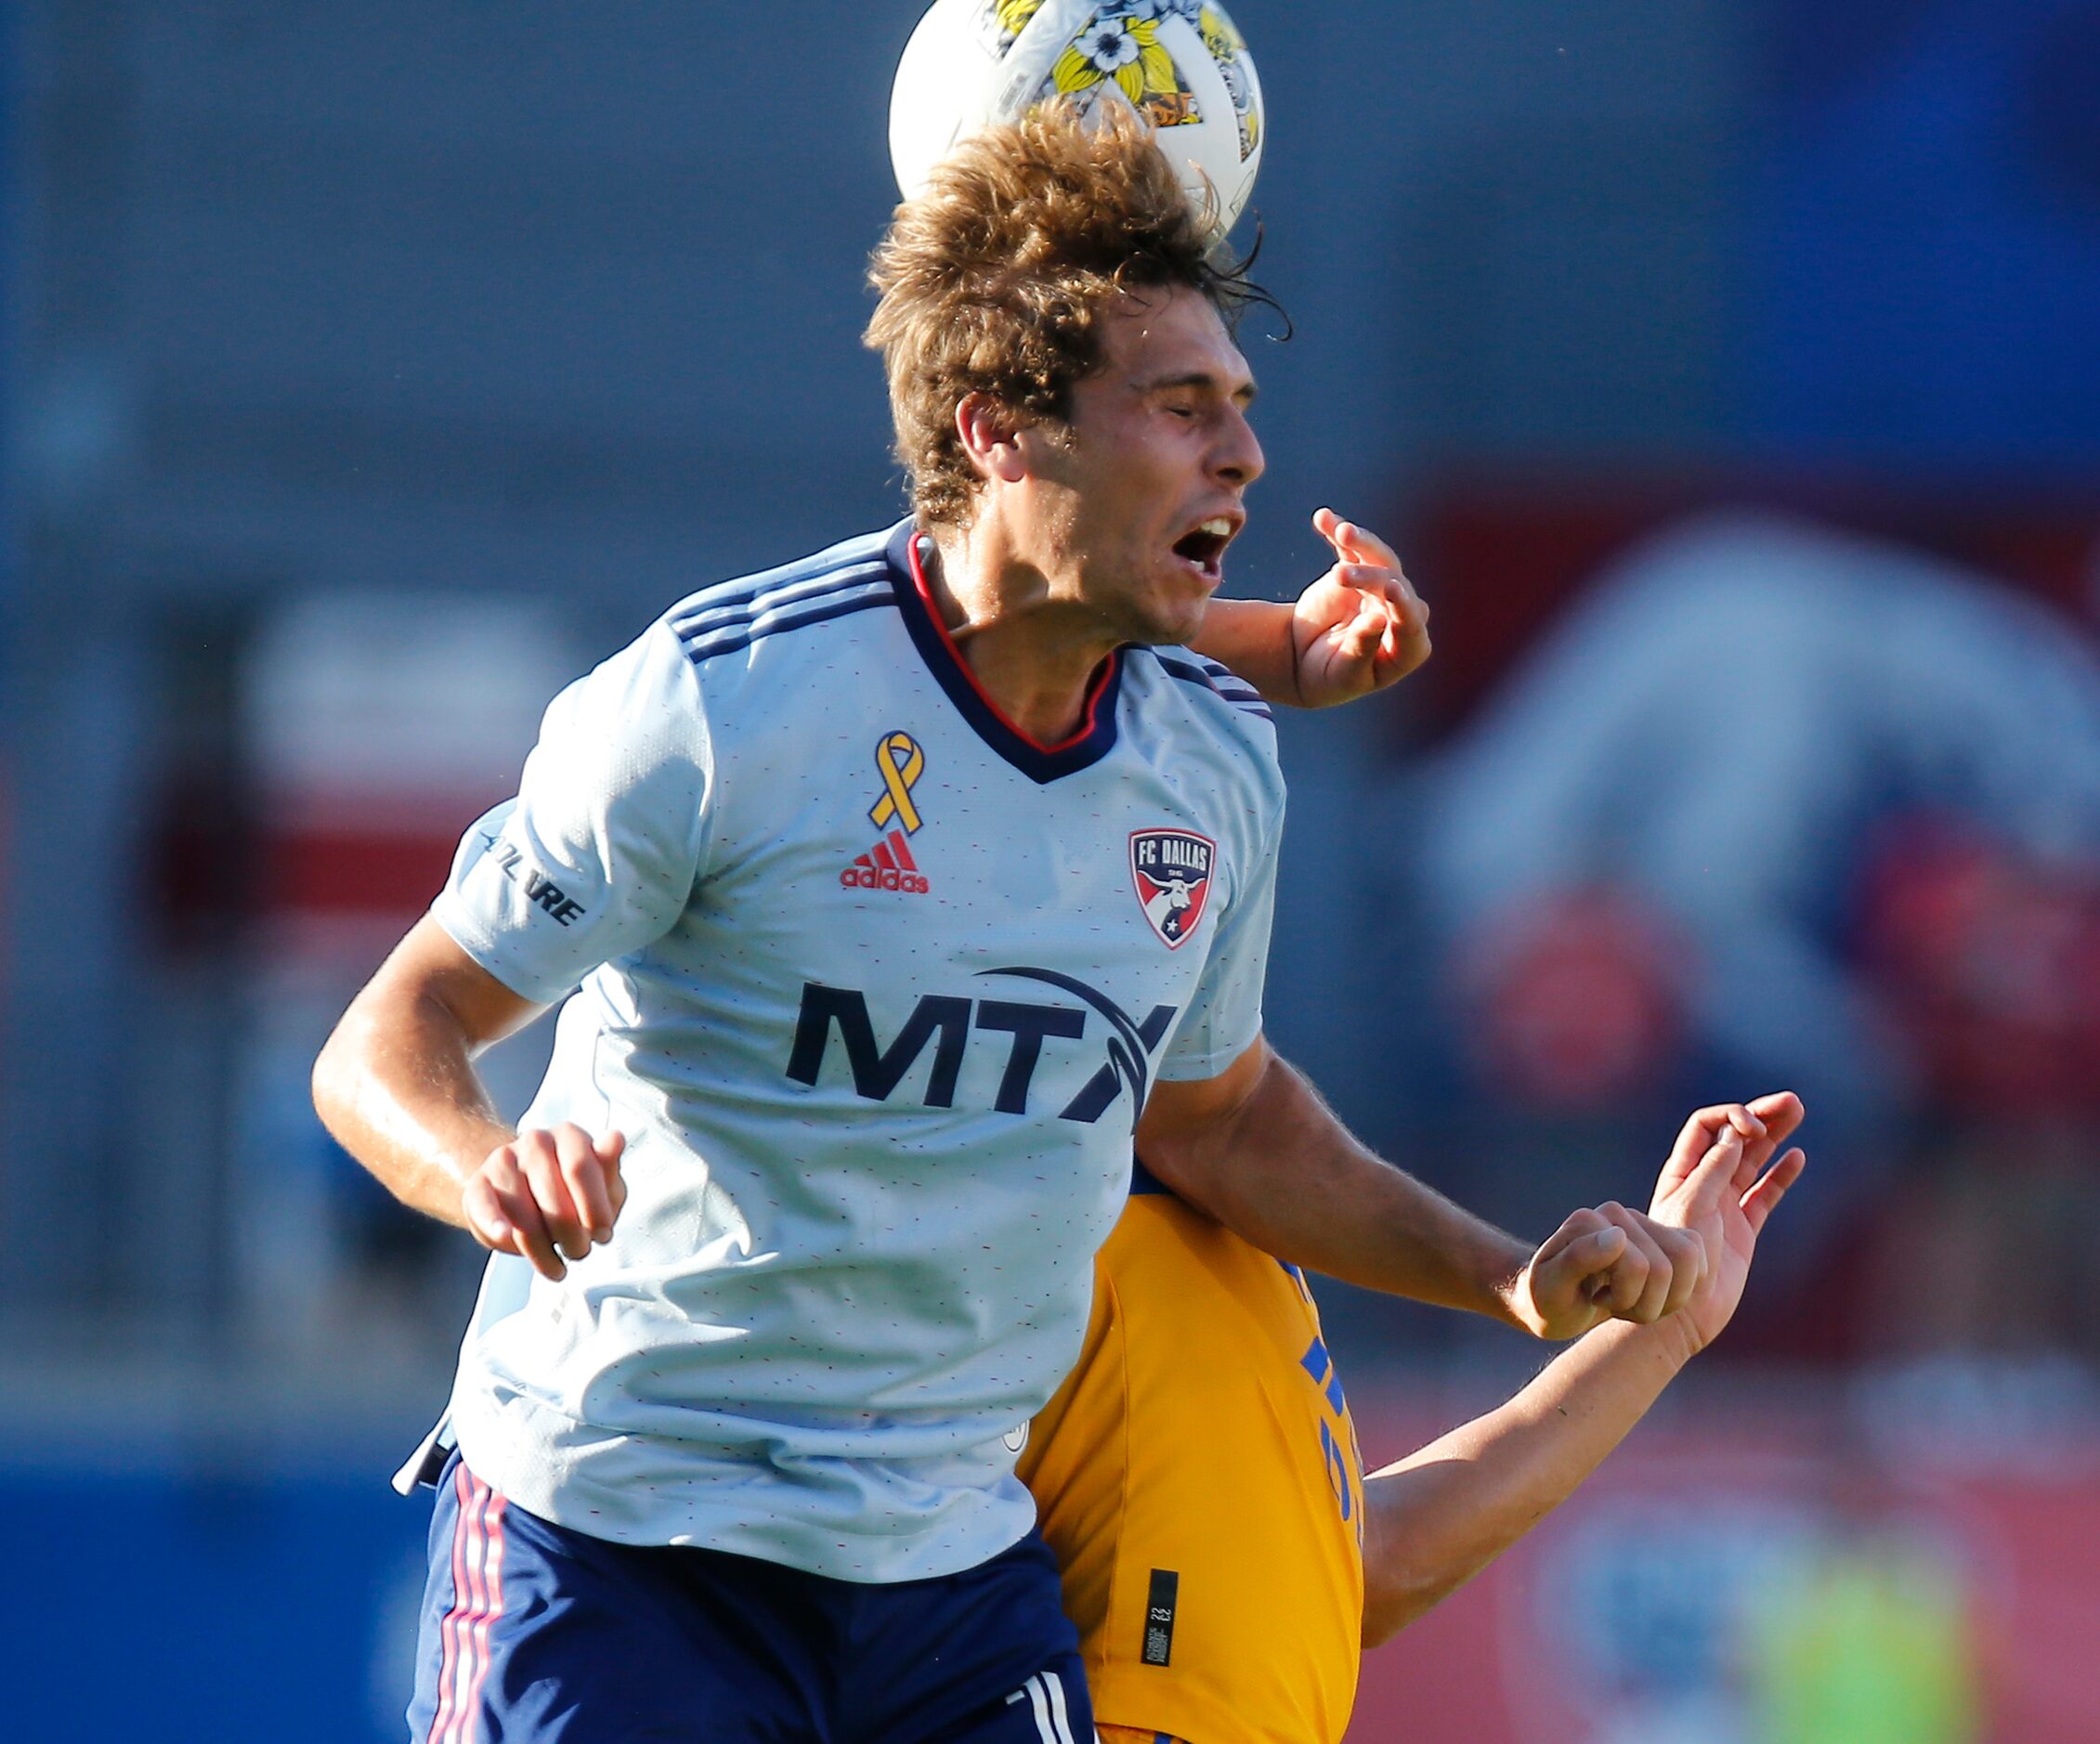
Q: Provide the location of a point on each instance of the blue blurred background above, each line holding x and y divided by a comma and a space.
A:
1728, 374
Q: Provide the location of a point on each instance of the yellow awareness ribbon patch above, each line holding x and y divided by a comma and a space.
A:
902, 762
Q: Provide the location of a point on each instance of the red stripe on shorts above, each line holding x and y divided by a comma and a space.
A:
478, 1601
448, 1630
492, 1609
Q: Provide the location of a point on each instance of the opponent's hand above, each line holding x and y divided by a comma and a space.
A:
1724, 1194
1613, 1263
1362, 626
546, 1195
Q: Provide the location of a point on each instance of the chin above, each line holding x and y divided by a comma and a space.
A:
1171, 620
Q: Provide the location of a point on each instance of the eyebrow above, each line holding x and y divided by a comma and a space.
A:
1202, 379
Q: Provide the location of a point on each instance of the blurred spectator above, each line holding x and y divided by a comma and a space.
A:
1642, 857
1988, 958
1578, 1000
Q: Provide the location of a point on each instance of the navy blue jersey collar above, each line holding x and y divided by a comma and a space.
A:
1096, 736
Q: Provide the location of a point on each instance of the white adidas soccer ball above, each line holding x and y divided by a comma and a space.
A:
1179, 64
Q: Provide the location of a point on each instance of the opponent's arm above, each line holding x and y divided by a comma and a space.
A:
1358, 629
395, 1085
1334, 1206
1434, 1519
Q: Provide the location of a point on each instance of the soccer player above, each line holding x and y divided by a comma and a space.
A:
891, 886
1198, 1479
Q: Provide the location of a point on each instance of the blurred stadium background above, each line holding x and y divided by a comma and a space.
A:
1730, 374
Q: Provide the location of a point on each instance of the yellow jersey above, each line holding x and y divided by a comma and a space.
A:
1199, 1479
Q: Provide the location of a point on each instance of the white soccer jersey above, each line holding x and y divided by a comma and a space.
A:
875, 986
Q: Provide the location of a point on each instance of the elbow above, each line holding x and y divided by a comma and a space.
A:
341, 1068
328, 1083
1409, 1566
1395, 1595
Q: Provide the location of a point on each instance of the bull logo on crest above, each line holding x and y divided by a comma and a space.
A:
1171, 869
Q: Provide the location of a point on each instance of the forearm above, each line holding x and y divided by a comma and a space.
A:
1437, 1518
395, 1085
1284, 1174
1253, 637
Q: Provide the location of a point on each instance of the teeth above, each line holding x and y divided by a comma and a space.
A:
1219, 524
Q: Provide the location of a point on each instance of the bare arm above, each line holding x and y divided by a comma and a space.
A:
1253, 637
1434, 1519
1358, 629
395, 1085
1337, 1207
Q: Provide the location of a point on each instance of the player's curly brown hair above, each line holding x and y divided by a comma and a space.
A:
993, 280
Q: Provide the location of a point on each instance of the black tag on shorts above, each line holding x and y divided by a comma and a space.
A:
1159, 1616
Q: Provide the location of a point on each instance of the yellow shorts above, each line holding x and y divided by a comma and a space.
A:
1198, 1476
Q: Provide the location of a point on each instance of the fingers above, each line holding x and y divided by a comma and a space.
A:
1354, 543
1640, 1277
1365, 561
1654, 1272
547, 1196
589, 1172
1762, 1198
1568, 1271
1391, 590
1358, 641
1766, 1122
1578, 1226
611, 1147
1782, 1112
1609, 1261
1594, 1257
1618, 1262
1713, 1173
1697, 1139
1779, 1110
502, 1216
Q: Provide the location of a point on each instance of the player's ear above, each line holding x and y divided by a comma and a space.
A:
990, 434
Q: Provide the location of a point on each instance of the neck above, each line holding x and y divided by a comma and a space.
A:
1034, 655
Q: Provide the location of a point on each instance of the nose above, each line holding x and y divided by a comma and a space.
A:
1238, 459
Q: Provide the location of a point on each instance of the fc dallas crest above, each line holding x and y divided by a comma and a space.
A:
1172, 870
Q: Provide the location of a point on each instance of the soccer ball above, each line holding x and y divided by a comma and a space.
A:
1179, 63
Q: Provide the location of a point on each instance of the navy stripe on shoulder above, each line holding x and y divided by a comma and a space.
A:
733, 638
837, 560
1228, 683
1221, 681
705, 616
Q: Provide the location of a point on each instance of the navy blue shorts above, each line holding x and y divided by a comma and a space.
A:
531, 1631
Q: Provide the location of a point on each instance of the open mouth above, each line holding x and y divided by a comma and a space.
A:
1203, 545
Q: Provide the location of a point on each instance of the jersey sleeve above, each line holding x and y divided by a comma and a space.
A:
599, 853
1225, 1016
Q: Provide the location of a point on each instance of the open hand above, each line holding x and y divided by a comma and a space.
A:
1724, 1194
1362, 626
547, 1194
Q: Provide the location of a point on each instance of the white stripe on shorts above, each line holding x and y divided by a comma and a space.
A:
1045, 1692
1059, 1716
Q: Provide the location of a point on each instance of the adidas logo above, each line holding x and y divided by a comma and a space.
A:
887, 866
